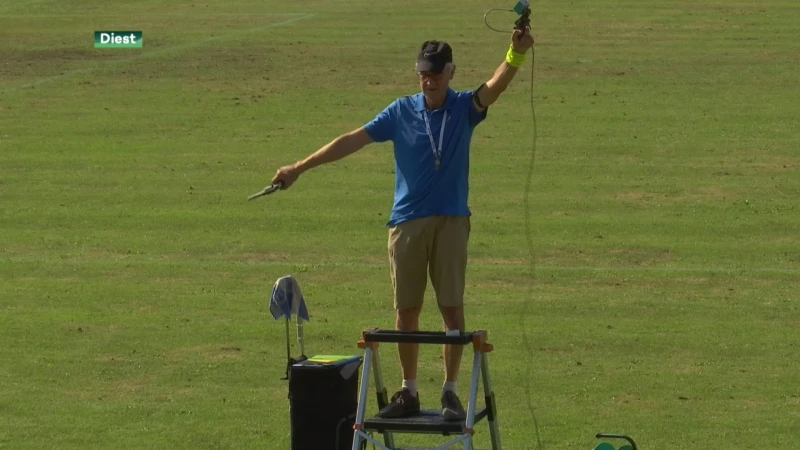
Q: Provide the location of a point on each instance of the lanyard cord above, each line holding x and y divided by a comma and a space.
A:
436, 154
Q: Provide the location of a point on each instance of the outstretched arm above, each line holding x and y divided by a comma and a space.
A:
490, 91
335, 150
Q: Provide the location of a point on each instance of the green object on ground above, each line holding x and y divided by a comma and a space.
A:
604, 446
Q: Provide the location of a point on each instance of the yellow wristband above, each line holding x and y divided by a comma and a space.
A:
513, 58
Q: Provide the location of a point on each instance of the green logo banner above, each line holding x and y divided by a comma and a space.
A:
117, 39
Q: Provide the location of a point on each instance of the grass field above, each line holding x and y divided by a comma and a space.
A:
134, 274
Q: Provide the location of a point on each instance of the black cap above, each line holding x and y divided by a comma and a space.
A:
433, 56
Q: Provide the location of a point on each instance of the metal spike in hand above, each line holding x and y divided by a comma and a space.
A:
267, 190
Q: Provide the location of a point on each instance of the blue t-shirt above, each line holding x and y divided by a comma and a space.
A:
420, 188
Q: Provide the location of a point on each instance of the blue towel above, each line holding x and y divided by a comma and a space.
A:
287, 299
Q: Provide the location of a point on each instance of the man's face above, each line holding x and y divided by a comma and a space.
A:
434, 85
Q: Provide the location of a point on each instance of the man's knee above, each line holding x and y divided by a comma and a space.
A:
408, 319
453, 317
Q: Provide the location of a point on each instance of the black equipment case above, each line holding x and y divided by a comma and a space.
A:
323, 399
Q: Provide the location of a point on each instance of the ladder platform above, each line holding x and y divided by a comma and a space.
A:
420, 337
426, 421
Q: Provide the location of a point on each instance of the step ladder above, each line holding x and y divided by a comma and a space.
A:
427, 421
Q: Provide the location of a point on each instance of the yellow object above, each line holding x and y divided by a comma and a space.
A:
513, 58
325, 359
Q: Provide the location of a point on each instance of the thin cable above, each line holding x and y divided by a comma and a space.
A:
487, 23
529, 240
531, 252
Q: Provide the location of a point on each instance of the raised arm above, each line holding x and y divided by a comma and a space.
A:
490, 91
335, 150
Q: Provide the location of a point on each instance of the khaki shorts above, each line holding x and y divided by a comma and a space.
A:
435, 245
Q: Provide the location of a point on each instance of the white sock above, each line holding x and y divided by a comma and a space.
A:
411, 385
449, 386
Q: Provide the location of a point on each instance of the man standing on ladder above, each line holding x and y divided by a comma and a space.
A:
429, 224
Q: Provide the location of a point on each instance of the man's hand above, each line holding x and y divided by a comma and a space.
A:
522, 41
286, 175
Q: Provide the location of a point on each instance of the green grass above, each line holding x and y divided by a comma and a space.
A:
134, 275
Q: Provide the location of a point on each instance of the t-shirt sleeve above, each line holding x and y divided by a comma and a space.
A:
381, 127
475, 116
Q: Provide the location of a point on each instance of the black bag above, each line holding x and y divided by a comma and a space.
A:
323, 399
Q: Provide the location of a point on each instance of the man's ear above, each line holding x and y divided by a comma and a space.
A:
452, 71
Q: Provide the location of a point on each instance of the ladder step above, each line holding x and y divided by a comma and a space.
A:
418, 337
427, 421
